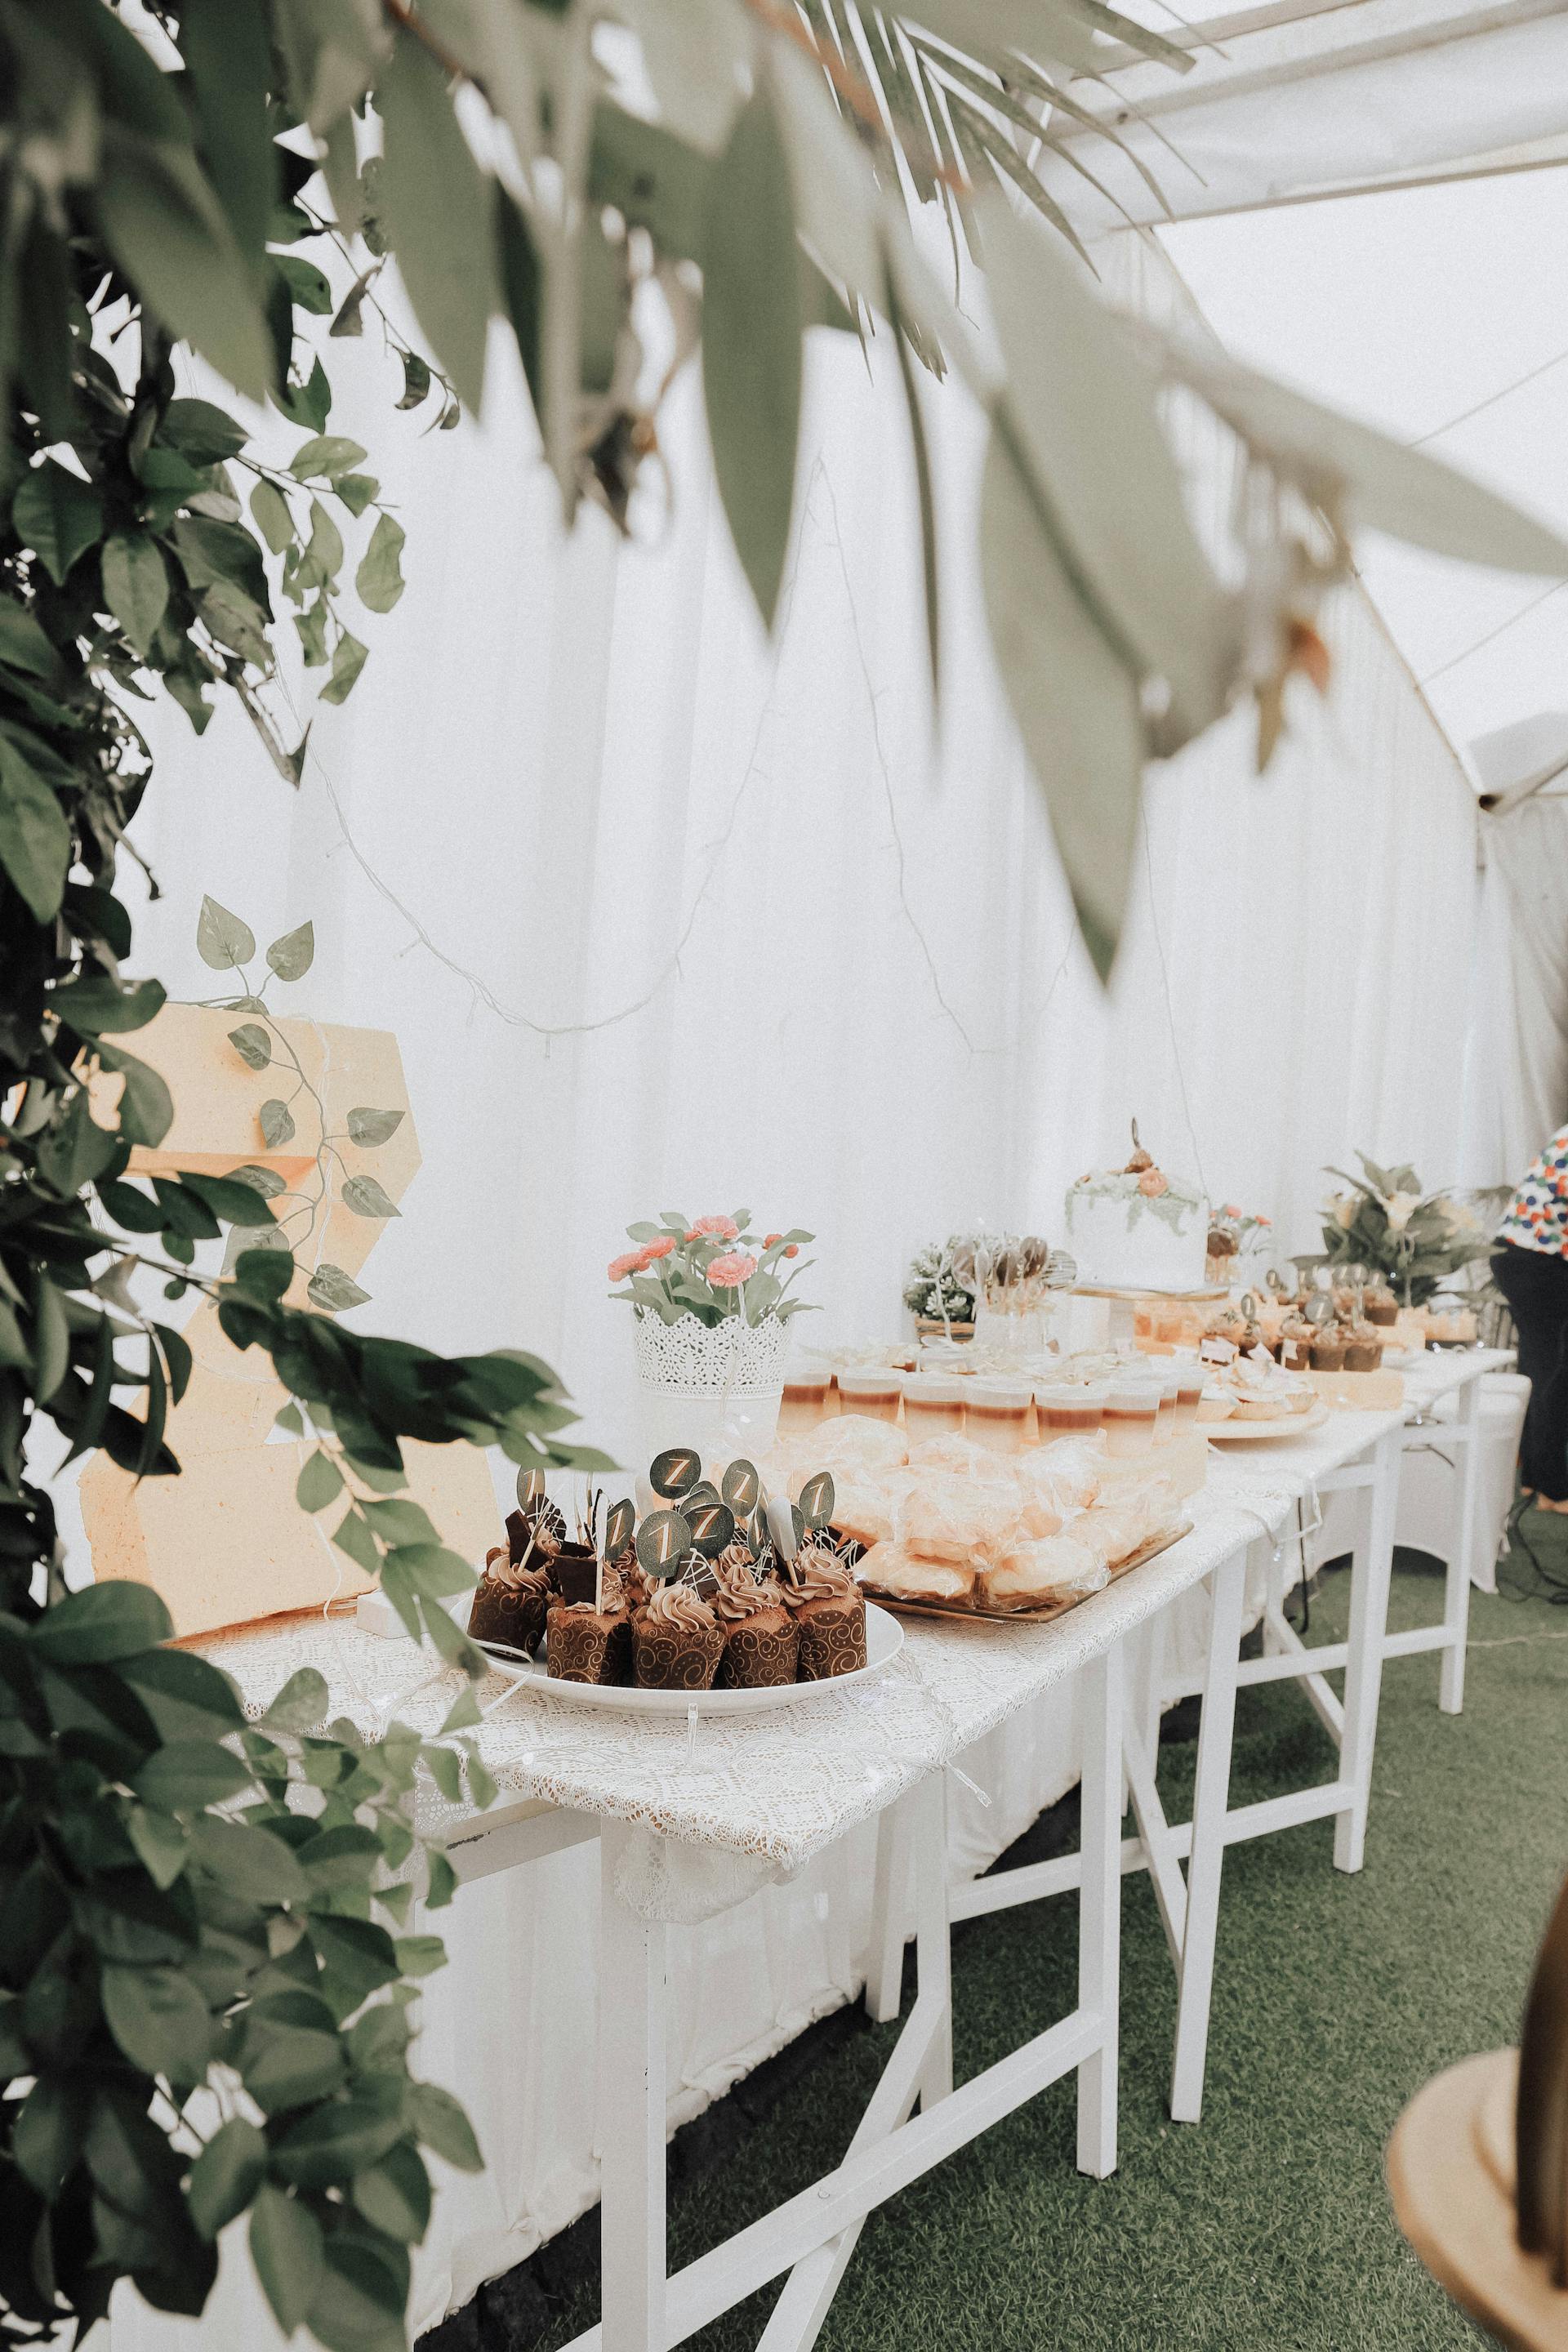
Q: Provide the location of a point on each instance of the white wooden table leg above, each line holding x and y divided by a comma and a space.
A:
889, 1894
1211, 1801
933, 1951
1462, 1561
1100, 1909
1274, 1589
631, 2113
1370, 1575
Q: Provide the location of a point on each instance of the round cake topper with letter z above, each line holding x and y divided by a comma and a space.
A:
619, 1527
664, 1539
675, 1472
817, 1498
741, 1487
713, 1528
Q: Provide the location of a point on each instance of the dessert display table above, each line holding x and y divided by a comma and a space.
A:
692, 1818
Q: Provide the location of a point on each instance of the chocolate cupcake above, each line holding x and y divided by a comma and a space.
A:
1296, 1337
1380, 1306
509, 1604
677, 1640
829, 1608
1363, 1348
1329, 1348
585, 1644
762, 1640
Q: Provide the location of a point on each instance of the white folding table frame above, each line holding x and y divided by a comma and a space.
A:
1189, 1907
812, 2236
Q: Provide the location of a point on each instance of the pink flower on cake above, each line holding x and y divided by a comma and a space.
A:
660, 1248
1151, 1183
621, 1266
729, 1272
721, 1228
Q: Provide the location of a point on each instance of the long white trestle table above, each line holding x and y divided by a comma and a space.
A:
693, 1818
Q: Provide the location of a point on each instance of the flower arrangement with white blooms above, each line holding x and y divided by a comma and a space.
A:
1419, 1240
714, 1269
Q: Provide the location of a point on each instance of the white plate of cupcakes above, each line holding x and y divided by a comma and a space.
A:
719, 1601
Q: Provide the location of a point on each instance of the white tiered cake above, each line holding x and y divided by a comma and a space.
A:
1135, 1228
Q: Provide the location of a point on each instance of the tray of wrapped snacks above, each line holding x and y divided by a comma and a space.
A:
722, 1600
941, 1519
1037, 1612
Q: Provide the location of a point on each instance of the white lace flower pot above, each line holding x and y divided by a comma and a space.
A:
718, 1389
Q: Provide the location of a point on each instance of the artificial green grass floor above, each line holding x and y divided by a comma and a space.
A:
1266, 2227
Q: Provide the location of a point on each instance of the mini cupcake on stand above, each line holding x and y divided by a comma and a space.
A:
762, 1639
677, 1640
510, 1601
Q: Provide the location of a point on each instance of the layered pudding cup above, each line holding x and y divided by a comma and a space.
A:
1000, 1414
934, 1404
878, 1394
1189, 1371
804, 1401
1170, 1391
1069, 1408
1132, 1414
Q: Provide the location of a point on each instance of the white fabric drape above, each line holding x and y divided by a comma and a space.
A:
1518, 1083
663, 917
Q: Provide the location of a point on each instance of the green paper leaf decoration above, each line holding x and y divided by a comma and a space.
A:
713, 1528
370, 1128
619, 1527
136, 585
664, 1539
379, 579
365, 1197
292, 956
58, 515
320, 1481
223, 941
277, 1123
817, 1498
751, 342
331, 1288
741, 1487
252, 1045
675, 1472
349, 657
324, 457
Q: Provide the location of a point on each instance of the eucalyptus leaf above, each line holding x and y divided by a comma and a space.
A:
292, 956
365, 1197
751, 342
331, 1288
379, 579
369, 1128
277, 1123
251, 1042
223, 941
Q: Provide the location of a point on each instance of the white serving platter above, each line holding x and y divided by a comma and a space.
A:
1252, 1432
884, 1640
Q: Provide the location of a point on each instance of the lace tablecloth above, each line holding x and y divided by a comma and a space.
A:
736, 1802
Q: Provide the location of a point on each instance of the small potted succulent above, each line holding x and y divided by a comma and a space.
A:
711, 1310
939, 1288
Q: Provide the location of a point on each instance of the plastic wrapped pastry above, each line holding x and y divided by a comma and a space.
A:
867, 1508
955, 1518
1056, 1568
888, 1567
853, 1443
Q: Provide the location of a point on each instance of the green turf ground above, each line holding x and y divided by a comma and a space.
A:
1265, 2227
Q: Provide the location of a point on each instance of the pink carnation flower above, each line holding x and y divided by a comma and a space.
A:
721, 1228
660, 1248
629, 1263
727, 1273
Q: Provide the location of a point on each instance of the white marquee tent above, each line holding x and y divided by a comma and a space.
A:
661, 913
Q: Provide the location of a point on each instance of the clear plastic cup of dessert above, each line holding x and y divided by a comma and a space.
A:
1069, 1408
1189, 1371
998, 1415
804, 1401
878, 1394
1169, 1390
1131, 1411
934, 1404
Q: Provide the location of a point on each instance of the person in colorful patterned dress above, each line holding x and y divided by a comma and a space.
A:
1530, 1269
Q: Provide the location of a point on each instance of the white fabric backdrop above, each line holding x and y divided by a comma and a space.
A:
573, 780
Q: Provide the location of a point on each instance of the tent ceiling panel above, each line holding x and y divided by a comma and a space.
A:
1304, 101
